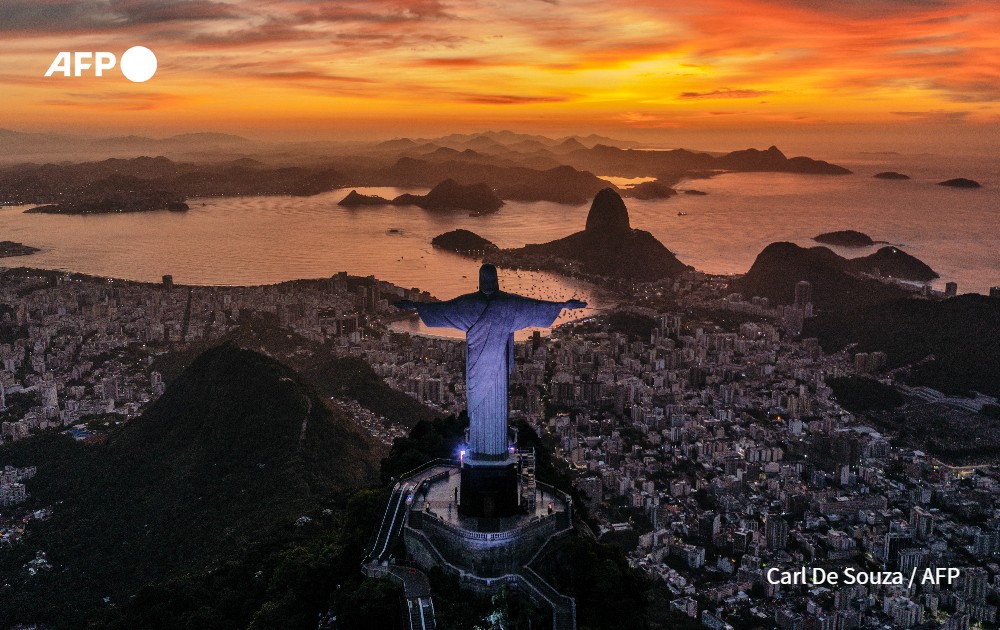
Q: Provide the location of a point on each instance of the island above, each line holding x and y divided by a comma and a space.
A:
692, 191
892, 262
450, 195
10, 248
960, 182
845, 238
649, 190
355, 199
890, 175
464, 242
114, 202
838, 283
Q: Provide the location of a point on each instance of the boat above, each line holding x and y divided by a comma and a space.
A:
682, 214
393, 231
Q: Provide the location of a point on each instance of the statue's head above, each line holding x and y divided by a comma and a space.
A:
488, 282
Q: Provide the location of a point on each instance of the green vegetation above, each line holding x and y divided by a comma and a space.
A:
10, 331
952, 345
429, 439
634, 325
18, 404
240, 499
859, 393
991, 411
351, 377
203, 488
609, 594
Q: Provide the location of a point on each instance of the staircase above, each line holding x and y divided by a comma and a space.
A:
527, 459
392, 521
563, 608
421, 613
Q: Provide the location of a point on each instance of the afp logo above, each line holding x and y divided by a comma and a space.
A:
138, 64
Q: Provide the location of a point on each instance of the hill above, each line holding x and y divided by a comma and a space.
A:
464, 242
355, 199
957, 337
607, 247
353, 378
450, 195
138, 183
561, 184
649, 190
645, 163
113, 194
10, 248
960, 182
779, 266
894, 263
226, 460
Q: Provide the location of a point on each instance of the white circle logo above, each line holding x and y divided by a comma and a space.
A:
138, 64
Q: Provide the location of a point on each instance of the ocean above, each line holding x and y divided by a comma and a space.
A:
257, 240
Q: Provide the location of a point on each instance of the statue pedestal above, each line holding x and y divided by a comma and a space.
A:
489, 489
485, 554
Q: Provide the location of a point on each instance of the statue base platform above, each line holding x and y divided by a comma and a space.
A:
436, 531
489, 490
486, 554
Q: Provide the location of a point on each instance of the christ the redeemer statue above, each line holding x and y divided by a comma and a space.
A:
489, 318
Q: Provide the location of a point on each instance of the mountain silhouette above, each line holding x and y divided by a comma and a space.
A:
236, 449
844, 238
464, 242
779, 266
355, 199
608, 246
450, 195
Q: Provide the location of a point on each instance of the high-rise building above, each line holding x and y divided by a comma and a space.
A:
168, 282
709, 526
951, 289
995, 292
775, 531
803, 293
922, 522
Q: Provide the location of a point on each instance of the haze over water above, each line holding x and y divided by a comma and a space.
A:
258, 240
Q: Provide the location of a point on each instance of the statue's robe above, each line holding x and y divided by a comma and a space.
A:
489, 321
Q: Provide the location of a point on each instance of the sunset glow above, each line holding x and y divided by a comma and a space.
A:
293, 65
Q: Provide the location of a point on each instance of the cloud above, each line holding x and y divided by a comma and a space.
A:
863, 9
647, 121
48, 16
124, 101
456, 62
935, 116
724, 93
507, 99
665, 63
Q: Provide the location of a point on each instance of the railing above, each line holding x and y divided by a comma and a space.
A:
534, 523
529, 580
398, 487
400, 502
385, 516
563, 607
567, 499
441, 461
565, 601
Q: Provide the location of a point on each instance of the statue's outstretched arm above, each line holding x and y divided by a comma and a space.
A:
459, 313
532, 312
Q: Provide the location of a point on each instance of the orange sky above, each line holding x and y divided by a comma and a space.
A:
395, 67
